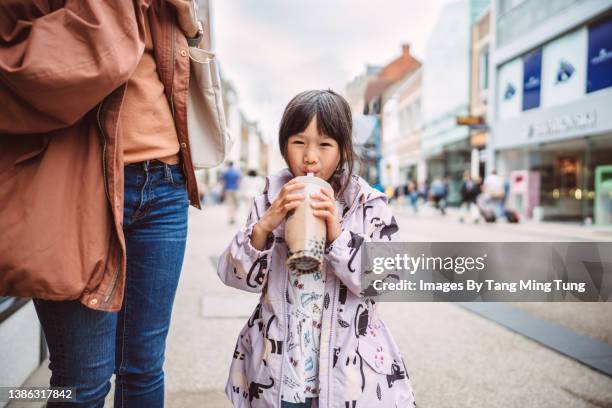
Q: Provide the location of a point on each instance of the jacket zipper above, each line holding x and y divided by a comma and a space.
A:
172, 91
113, 286
99, 114
172, 96
285, 330
330, 347
105, 179
172, 77
353, 205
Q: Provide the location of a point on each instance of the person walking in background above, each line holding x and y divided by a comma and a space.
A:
424, 190
390, 192
494, 187
438, 193
216, 191
469, 191
413, 195
251, 186
231, 184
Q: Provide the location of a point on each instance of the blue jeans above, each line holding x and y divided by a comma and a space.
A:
87, 346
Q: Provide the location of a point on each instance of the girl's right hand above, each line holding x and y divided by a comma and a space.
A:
285, 201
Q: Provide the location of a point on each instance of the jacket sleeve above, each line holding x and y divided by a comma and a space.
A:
344, 254
56, 65
241, 265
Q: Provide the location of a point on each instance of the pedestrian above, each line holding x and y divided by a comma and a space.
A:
413, 195
424, 190
216, 191
231, 184
391, 193
495, 188
314, 339
438, 193
97, 180
469, 191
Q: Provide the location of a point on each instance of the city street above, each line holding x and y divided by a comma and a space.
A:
499, 104
455, 358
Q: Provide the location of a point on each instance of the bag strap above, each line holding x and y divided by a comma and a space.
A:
195, 41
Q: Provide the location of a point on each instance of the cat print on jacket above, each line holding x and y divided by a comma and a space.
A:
360, 365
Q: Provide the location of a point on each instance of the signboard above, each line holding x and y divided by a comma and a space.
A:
599, 65
510, 89
564, 69
532, 76
563, 124
584, 117
469, 120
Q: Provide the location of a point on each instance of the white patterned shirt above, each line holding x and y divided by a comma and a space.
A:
301, 375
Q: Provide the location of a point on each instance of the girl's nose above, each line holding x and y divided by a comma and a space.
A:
310, 157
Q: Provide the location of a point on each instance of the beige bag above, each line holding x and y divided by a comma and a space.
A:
209, 139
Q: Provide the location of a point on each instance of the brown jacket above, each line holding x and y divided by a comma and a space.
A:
63, 70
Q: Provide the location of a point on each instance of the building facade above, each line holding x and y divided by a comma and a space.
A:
365, 94
402, 123
445, 144
479, 86
550, 103
355, 90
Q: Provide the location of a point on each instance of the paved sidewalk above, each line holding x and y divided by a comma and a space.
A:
200, 347
553, 230
454, 358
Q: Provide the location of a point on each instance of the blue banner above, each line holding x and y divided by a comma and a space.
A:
599, 69
532, 79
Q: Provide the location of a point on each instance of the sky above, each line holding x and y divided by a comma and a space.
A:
270, 50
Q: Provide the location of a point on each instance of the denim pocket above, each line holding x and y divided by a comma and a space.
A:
176, 176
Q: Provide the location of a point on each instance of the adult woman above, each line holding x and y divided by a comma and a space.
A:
97, 90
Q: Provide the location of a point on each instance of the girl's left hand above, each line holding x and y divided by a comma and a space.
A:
325, 208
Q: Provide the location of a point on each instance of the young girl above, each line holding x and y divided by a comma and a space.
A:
313, 339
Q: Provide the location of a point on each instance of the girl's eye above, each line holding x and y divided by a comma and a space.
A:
297, 142
326, 144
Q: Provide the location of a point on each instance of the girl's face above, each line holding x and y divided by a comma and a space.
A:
310, 152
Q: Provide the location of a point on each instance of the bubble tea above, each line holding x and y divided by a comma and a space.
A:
305, 234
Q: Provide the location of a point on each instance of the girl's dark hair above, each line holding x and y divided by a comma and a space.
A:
334, 119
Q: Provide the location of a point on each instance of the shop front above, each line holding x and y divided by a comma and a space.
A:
553, 134
565, 173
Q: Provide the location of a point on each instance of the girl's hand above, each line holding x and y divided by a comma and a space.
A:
284, 202
326, 209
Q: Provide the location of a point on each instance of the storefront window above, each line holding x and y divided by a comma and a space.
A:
566, 172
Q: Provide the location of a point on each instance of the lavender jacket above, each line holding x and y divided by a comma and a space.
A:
360, 365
